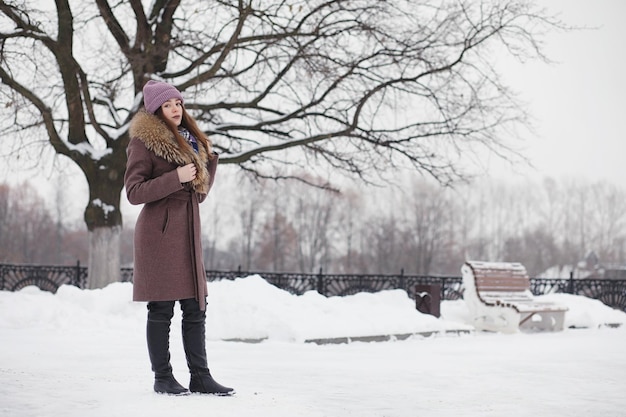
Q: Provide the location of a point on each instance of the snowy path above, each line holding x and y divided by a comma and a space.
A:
74, 371
82, 353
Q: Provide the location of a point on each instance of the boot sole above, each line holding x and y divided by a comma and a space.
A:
217, 394
174, 394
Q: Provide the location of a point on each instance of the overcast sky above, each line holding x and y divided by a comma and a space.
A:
578, 101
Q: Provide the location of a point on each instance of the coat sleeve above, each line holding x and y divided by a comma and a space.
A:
140, 185
212, 168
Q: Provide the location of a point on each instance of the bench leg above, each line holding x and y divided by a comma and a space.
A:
504, 320
559, 321
544, 320
525, 319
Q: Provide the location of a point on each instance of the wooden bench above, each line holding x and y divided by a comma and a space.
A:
499, 299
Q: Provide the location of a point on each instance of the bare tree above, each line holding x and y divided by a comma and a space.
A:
348, 219
535, 249
361, 86
276, 241
474, 223
608, 225
429, 219
249, 213
382, 243
6, 215
28, 232
313, 219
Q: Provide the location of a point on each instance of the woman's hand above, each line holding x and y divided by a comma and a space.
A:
186, 173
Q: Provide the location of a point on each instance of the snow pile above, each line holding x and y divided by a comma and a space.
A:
252, 309
586, 312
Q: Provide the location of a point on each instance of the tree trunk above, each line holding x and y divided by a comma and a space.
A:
104, 222
104, 256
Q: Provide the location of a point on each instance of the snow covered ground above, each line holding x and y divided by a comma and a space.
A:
83, 353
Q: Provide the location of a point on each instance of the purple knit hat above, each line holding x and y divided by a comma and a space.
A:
155, 93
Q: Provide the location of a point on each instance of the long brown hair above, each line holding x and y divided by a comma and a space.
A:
189, 123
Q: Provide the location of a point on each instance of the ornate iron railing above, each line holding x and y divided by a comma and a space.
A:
47, 278
611, 292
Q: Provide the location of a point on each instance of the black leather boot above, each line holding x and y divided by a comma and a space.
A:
158, 336
195, 350
203, 383
167, 384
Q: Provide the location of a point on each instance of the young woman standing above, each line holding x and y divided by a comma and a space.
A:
170, 170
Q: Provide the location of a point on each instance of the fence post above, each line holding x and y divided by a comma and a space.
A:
77, 277
320, 282
443, 289
402, 284
571, 282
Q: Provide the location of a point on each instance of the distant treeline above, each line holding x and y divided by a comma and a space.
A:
420, 228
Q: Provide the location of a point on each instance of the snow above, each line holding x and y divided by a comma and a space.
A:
83, 353
106, 208
86, 148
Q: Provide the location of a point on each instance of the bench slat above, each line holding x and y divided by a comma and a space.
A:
501, 285
514, 274
507, 284
538, 307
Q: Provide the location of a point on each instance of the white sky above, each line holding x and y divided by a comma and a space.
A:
83, 353
578, 102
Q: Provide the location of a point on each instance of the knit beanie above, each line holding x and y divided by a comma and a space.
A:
155, 93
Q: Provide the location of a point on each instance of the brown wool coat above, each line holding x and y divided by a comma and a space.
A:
168, 261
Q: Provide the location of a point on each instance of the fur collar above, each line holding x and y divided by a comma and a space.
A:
153, 132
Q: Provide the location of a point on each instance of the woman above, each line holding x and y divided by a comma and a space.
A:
170, 169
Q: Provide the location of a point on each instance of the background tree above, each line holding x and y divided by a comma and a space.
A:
382, 243
313, 219
29, 232
430, 216
251, 209
349, 220
355, 85
5, 219
277, 240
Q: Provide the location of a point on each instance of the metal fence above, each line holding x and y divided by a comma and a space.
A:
48, 278
611, 292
